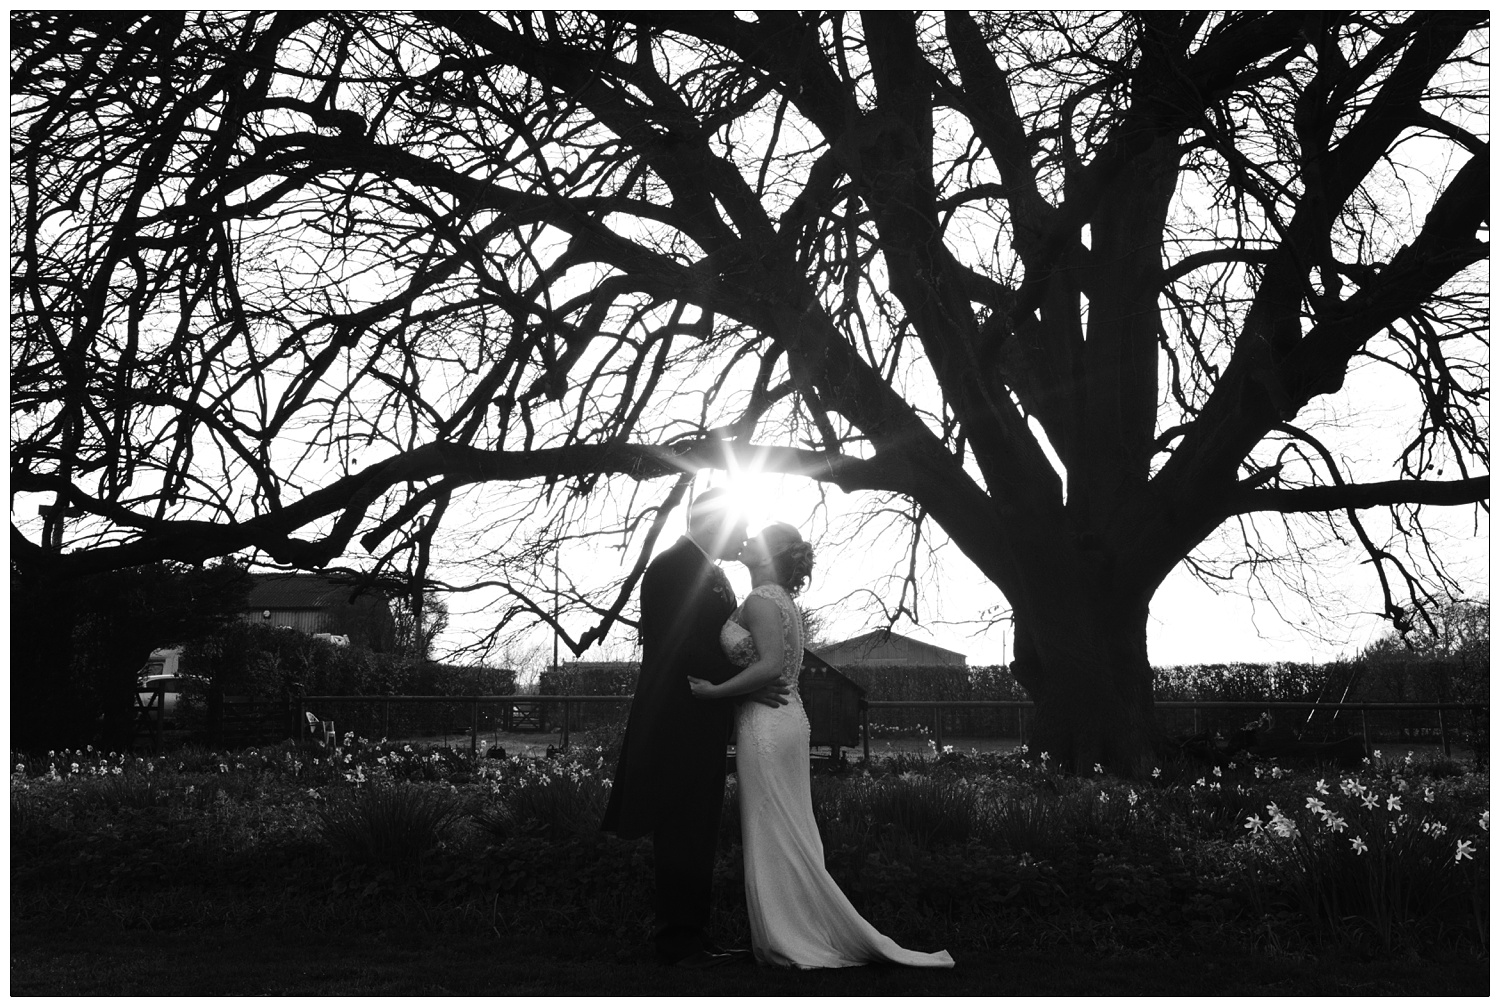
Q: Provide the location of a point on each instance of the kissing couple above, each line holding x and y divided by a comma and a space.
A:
711, 670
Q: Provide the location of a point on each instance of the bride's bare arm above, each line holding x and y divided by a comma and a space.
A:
763, 620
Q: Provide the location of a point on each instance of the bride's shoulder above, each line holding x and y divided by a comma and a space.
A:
775, 594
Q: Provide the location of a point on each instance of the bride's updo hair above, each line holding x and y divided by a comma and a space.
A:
791, 558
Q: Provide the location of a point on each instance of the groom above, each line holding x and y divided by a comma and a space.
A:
670, 778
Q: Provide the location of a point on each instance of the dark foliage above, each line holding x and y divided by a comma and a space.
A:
76, 644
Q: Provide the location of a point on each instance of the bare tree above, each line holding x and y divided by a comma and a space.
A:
1458, 629
1068, 287
419, 618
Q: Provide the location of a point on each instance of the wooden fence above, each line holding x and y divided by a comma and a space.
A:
1024, 707
516, 712
1023, 710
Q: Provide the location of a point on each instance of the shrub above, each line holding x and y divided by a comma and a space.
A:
1048, 820
550, 797
386, 827
909, 809
1028, 821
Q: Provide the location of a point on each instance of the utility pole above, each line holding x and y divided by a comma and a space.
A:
555, 550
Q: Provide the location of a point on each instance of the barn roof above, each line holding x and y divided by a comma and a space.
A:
298, 590
882, 643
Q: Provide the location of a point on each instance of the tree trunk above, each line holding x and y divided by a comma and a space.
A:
1091, 682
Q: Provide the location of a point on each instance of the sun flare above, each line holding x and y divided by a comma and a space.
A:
754, 494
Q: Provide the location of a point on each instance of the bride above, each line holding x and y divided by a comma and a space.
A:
798, 915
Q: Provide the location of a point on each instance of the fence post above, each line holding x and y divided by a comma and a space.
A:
1443, 733
474, 728
1196, 729
567, 710
864, 716
1364, 726
1481, 741
161, 717
385, 720
301, 718
937, 727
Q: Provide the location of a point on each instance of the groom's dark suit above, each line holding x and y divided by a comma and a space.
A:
670, 779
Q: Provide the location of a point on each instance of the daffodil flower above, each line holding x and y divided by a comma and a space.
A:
1393, 803
1321, 787
1359, 845
1465, 851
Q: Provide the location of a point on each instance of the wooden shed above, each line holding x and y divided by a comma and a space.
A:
317, 604
832, 701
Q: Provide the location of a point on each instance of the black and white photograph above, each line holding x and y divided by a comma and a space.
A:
706, 503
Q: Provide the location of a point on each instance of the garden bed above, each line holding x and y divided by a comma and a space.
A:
1259, 879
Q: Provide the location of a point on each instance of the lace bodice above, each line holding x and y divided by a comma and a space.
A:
739, 645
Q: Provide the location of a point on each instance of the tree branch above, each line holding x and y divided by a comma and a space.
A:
1362, 496
457, 465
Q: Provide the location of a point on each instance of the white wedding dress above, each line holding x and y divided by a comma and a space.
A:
798, 915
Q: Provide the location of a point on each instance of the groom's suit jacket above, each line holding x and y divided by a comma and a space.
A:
673, 750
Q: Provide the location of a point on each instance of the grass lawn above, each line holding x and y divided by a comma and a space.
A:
250, 960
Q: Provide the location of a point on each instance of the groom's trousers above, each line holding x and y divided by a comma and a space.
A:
683, 850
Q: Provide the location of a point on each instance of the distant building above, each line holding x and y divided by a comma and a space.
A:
319, 606
880, 649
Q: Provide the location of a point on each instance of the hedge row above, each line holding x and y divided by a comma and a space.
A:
1416, 680
273, 664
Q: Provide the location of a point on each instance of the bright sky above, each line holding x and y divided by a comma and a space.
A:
960, 609
1190, 623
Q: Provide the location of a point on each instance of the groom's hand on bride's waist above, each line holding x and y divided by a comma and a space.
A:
772, 694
